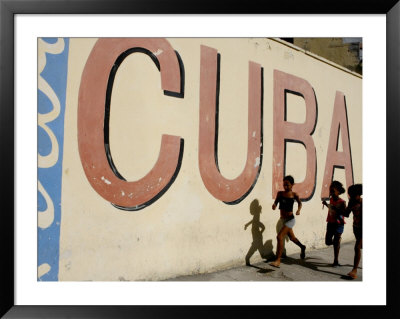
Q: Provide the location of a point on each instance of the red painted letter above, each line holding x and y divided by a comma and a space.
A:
334, 158
229, 191
128, 195
285, 132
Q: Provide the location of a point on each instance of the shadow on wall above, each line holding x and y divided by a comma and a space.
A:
257, 228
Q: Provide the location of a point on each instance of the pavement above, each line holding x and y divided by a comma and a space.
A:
317, 266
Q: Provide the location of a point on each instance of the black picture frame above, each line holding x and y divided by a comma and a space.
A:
8, 10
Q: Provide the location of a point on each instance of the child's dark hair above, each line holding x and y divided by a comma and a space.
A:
339, 186
355, 190
289, 178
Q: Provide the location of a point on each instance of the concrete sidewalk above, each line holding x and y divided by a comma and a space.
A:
315, 267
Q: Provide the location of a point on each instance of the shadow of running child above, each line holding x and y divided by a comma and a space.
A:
257, 228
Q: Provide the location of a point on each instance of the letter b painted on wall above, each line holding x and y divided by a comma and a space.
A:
288, 132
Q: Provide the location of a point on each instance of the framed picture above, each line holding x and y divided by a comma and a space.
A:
44, 290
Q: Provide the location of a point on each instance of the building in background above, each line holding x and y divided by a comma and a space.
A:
346, 52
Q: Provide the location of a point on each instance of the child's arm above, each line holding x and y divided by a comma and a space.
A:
350, 207
347, 211
276, 200
299, 205
247, 225
339, 209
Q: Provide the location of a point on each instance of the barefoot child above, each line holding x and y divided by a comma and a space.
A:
355, 206
286, 200
335, 219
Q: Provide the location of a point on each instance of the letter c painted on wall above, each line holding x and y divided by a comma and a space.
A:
93, 101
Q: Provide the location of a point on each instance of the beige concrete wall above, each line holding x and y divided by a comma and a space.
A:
187, 230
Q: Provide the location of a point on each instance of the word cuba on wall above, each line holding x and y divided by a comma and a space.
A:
96, 88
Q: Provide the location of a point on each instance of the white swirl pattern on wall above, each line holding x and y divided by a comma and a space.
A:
46, 217
43, 48
43, 269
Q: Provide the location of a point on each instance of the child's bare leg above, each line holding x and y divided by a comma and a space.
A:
336, 248
280, 237
328, 237
357, 257
294, 239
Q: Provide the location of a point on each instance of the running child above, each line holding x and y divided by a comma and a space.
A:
355, 206
286, 200
335, 219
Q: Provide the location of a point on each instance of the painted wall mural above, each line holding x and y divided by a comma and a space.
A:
52, 70
161, 145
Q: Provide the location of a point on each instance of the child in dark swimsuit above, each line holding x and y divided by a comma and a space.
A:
355, 206
286, 200
335, 219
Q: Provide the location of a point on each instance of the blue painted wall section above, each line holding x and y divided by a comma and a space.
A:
51, 109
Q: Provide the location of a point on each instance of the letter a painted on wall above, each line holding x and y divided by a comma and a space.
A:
334, 158
285, 132
94, 98
235, 190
